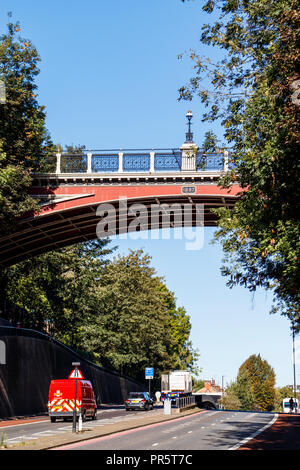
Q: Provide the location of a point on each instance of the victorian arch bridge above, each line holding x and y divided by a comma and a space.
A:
113, 187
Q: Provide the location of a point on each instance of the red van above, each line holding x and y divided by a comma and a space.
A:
61, 400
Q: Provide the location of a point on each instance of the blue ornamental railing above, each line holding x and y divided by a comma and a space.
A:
133, 161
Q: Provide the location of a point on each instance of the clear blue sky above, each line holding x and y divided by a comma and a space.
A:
109, 79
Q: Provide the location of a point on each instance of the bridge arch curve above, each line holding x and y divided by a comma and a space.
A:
72, 213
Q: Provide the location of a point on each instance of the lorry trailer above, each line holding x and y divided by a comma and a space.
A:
176, 384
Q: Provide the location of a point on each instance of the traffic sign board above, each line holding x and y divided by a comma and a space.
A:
76, 374
149, 372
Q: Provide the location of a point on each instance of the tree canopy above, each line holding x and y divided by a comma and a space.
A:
136, 322
24, 139
118, 312
254, 387
254, 91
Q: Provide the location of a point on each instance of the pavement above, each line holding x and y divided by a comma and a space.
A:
284, 434
90, 432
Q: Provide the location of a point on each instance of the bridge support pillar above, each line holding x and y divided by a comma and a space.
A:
120, 170
152, 156
188, 152
226, 153
89, 163
58, 163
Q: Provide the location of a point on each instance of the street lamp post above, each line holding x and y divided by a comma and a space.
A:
189, 134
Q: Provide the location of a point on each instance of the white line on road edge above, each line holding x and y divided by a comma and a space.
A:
244, 441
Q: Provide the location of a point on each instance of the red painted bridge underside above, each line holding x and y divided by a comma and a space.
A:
72, 218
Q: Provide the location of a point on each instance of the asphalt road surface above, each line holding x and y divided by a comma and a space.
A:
210, 430
41, 427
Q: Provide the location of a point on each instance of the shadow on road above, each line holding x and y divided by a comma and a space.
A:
284, 434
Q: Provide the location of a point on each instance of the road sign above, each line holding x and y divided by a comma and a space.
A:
149, 372
76, 374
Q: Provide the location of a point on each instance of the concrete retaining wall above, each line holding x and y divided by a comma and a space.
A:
30, 360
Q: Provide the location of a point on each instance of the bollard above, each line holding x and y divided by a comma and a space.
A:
167, 407
80, 423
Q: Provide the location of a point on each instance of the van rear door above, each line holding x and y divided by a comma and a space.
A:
62, 398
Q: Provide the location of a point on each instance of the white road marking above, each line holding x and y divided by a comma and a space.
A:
21, 438
244, 441
48, 432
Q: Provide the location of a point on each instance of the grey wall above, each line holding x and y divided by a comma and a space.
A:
33, 360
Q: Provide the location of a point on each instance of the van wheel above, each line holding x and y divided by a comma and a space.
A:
52, 419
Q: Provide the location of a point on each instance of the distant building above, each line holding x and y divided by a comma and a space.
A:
210, 387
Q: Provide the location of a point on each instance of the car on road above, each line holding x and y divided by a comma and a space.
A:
138, 400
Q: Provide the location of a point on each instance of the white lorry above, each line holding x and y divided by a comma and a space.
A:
176, 384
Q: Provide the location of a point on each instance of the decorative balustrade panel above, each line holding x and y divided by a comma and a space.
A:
167, 161
102, 161
136, 162
105, 163
73, 163
46, 164
209, 162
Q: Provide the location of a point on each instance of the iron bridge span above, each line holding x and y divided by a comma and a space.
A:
71, 202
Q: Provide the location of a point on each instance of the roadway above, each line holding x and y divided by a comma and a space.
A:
141, 430
24, 430
209, 430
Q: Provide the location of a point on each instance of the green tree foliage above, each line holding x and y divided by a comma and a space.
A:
230, 400
24, 140
23, 133
284, 392
54, 290
255, 384
210, 142
180, 350
254, 387
135, 322
254, 91
197, 384
118, 312
73, 160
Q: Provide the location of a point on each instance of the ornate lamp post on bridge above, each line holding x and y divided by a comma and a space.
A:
189, 134
189, 148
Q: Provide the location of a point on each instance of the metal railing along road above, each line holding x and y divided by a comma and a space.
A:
185, 401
